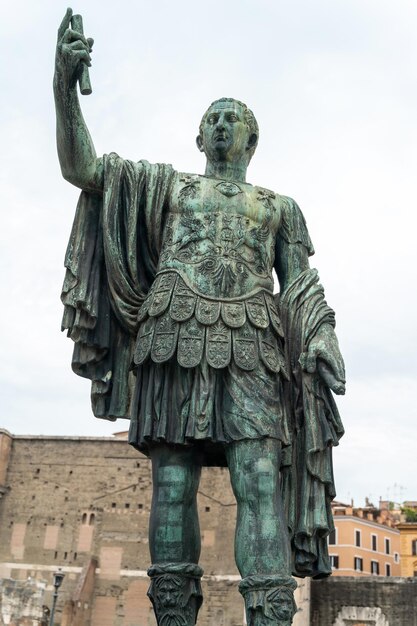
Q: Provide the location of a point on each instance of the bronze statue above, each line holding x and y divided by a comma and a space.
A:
169, 299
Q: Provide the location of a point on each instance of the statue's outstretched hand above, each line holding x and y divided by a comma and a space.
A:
323, 355
72, 50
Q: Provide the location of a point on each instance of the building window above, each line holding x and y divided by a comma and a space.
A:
374, 540
387, 569
387, 546
332, 537
414, 547
334, 561
358, 564
396, 557
375, 567
358, 538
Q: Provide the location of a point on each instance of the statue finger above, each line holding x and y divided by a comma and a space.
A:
83, 55
338, 387
80, 55
78, 52
71, 35
90, 41
78, 45
65, 23
334, 361
330, 379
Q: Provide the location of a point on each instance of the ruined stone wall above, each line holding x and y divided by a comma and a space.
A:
70, 499
21, 603
373, 601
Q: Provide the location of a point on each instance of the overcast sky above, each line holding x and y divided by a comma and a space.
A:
334, 88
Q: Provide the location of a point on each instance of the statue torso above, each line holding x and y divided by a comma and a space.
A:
220, 236
214, 284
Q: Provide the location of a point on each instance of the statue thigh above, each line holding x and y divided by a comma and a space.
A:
262, 544
174, 533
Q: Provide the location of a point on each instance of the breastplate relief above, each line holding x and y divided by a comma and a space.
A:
220, 236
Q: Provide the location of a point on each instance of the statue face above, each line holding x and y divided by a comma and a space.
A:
225, 134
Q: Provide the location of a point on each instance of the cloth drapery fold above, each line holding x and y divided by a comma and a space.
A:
307, 475
110, 265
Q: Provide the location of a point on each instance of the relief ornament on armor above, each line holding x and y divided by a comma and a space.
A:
225, 245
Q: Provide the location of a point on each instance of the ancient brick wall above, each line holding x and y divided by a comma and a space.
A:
376, 601
69, 499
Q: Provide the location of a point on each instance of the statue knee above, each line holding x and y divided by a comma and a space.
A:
267, 479
258, 482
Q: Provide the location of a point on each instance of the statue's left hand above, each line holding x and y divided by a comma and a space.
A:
323, 355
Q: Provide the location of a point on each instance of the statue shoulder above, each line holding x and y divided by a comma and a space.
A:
268, 197
113, 161
288, 205
186, 181
293, 226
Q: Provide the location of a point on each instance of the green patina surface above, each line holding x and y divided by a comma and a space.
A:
169, 299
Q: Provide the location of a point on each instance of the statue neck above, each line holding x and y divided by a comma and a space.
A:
234, 171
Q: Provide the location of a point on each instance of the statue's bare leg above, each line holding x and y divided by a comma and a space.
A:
262, 544
174, 534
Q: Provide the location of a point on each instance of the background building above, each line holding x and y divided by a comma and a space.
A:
364, 542
408, 539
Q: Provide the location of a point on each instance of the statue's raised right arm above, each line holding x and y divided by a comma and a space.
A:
77, 156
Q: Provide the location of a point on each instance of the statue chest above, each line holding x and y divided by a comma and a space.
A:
207, 197
220, 235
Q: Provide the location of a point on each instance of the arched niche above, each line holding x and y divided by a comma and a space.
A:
361, 616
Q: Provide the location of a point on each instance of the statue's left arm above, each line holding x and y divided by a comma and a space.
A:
321, 351
316, 368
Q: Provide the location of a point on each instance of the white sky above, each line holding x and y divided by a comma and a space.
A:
334, 88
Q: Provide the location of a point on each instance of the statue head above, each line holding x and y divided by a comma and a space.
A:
228, 132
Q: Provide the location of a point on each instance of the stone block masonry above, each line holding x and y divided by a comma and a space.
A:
371, 600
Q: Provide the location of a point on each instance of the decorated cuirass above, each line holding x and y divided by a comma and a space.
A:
220, 236
213, 292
